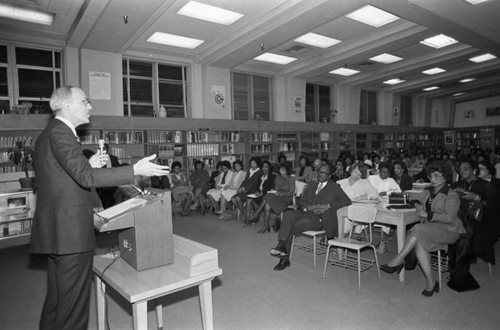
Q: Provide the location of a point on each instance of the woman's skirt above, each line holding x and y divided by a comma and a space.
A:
278, 203
431, 235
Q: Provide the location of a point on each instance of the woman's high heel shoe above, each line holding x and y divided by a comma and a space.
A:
264, 229
390, 270
431, 292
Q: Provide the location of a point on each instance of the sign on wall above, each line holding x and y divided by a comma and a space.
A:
218, 97
99, 85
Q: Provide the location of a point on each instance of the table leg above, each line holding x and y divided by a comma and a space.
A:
205, 289
140, 311
401, 229
101, 303
159, 315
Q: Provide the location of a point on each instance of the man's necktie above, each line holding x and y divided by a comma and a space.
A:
320, 186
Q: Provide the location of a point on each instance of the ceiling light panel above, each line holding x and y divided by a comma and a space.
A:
475, 2
26, 14
430, 88
174, 40
275, 58
394, 81
372, 16
432, 71
317, 40
466, 80
439, 41
344, 72
458, 94
209, 13
386, 58
482, 58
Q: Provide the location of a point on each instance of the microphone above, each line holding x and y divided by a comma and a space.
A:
101, 145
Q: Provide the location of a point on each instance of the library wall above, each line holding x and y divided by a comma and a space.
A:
287, 90
481, 112
440, 112
216, 80
347, 104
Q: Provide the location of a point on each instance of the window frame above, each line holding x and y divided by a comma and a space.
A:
316, 104
251, 95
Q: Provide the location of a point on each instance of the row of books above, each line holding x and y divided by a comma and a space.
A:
123, 137
287, 146
262, 137
260, 148
196, 137
88, 139
10, 141
197, 150
10, 169
157, 137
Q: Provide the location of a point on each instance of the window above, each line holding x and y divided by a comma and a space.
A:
28, 75
149, 85
406, 113
318, 101
251, 97
368, 108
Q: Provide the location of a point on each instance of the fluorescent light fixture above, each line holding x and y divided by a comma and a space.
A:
386, 58
394, 81
482, 58
430, 88
372, 16
209, 13
26, 14
439, 41
174, 40
466, 80
458, 94
275, 58
344, 72
432, 71
475, 2
317, 40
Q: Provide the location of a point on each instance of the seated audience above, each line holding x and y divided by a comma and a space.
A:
200, 180
267, 181
278, 199
215, 173
316, 210
438, 208
383, 182
182, 191
401, 176
340, 172
304, 171
221, 181
231, 189
249, 186
316, 166
281, 161
357, 185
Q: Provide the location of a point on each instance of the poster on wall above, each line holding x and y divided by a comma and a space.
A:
218, 97
493, 112
99, 85
470, 114
449, 137
297, 104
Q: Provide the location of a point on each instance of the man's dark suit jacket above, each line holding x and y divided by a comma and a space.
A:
63, 221
330, 194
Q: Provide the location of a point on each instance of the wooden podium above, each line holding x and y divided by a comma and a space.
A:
146, 221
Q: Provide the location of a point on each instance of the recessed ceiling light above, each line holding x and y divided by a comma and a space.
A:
458, 94
317, 40
466, 80
386, 58
209, 13
174, 40
475, 2
430, 88
26, 14
344, 72
394, 81
275, 58
372, 16
439, 41
433, 71
482, 58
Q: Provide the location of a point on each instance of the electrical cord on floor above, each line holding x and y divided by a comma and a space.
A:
103, 291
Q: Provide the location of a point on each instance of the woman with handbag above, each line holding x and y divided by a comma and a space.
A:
438, 209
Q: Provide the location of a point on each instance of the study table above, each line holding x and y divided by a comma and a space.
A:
194, 264
399, 218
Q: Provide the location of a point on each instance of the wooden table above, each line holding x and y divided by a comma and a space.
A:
195, 264
399, 218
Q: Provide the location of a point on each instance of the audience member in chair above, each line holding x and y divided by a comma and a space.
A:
221, 181
357, 186
316, 210
267, 181
383, 181
182, 191
304, 171
401, 176
438, 209
278, 199
247, 187
200, 180
229, 190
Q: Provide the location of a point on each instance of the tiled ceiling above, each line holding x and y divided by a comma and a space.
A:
272, 26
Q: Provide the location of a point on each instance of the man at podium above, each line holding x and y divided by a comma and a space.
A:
63, 221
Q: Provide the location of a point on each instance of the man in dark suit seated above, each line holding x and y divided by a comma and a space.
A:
63, 226
316, 210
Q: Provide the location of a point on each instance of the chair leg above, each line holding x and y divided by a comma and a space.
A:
359, 269
439, 268
291, 249
326, 260
376, 259
489, 268
314, 250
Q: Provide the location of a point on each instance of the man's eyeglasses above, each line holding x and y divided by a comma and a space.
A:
85, 101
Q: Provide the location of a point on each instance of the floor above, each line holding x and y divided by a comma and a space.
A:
251, 295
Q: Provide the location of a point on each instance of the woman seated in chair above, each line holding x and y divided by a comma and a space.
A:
340, 172
357, 186
229, 190
400, 175
267, 181
383, 182
304, 172
200, 180
247, 187
215, 173
221, 181
278, 199
182, 191
438, 209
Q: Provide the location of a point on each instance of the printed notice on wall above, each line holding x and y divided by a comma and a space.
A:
218, 97
100, 85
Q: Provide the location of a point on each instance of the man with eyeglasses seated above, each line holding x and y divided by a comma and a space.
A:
316, 210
